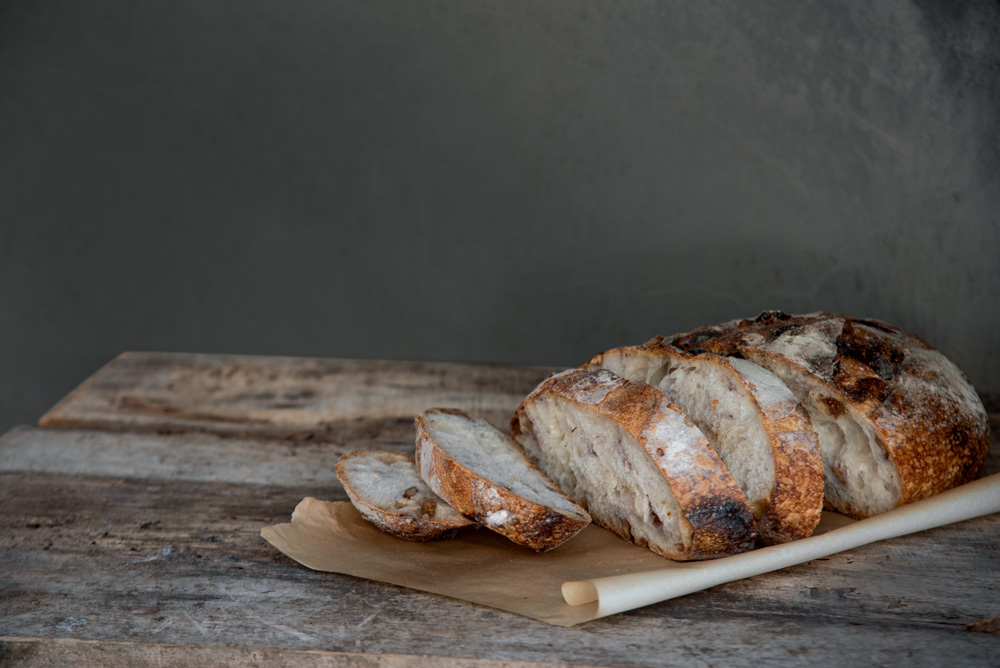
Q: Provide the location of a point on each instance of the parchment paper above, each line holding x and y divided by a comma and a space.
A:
598, 573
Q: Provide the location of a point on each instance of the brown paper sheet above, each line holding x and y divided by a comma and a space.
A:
602, 574
480, 566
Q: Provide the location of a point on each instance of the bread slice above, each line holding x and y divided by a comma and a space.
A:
753, 421
896, 420
484, 474
388, 492
641, 468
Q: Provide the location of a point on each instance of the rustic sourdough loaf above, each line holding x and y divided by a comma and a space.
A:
388, 492
485, 475
896, 420
640, 467
753, 421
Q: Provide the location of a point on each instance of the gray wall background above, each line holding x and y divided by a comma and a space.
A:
509, 181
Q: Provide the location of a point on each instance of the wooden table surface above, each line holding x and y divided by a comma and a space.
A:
131, 521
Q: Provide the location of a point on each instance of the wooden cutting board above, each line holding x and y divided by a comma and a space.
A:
130, 535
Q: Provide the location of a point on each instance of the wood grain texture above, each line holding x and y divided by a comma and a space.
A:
135, 547
179, 562
46, 652
193, 456
367, 401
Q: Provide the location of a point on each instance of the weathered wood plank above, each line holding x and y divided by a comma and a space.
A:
285, 397
204, 457
48, 652
195, 456
180, 562
154, 538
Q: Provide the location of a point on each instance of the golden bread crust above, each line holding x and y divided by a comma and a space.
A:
795, 503
717, 519
925, 414
493, 506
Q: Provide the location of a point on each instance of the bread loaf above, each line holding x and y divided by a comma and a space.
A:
897, 421
753, 421
388, 492
480, 471
636, 463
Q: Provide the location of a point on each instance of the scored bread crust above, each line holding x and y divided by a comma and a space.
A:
395, 522
926, 418
716, 519
794, 504
493, 505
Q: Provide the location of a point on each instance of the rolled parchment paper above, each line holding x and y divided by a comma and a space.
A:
625, 592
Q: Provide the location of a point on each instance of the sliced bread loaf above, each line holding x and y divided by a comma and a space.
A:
753, 421
896, 420
485, 475
641, 468
388, 492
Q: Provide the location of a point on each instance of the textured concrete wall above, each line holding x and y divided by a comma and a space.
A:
499, 181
